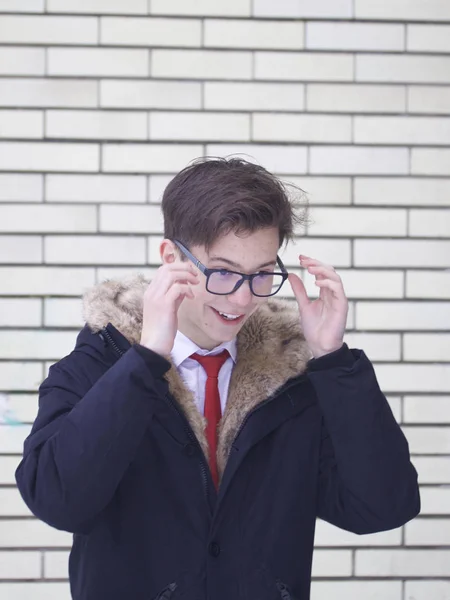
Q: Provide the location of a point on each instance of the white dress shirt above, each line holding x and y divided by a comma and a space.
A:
194, 375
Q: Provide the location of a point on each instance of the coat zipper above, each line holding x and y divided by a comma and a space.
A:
109, 338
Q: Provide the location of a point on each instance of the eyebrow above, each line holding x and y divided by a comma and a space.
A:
236, 266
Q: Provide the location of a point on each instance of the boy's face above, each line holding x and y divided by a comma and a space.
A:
198, 318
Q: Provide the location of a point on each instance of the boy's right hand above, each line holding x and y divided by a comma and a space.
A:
162, 299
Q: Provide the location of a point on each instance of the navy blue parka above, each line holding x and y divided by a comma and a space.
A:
118, 456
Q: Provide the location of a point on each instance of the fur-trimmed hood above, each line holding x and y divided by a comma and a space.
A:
271, 349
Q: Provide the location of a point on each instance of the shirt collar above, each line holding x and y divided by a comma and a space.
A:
183, 347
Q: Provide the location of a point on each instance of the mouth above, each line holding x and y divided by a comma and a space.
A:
228, 318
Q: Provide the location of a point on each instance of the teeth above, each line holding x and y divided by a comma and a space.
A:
229, 316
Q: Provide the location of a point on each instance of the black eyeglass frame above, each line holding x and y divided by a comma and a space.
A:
244, 277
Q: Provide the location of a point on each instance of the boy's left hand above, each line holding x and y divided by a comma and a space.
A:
323, 319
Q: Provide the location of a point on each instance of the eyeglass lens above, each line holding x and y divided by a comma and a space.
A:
224, 282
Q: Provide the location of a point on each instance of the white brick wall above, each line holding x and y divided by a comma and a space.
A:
103, 101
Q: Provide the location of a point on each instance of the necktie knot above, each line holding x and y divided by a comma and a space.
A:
212, 363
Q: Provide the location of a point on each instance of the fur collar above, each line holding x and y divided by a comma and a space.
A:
271, 349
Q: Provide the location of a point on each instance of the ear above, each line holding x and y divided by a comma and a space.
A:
168, 252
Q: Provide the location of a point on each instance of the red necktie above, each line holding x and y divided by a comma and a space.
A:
212, 365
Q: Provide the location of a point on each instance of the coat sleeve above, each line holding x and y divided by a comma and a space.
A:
85, 436
367, 482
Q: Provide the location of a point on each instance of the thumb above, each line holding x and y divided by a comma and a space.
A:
299, 290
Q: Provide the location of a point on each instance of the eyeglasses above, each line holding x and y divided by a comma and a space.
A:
223, 282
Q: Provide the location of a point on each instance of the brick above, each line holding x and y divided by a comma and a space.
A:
148, 158
202, 8
32, 6
423, 99
372, 284
20, 312
402, 563
426, 409
20, 376
429, 38
301, 128
48, 30
131, 219
47, 218
48, 92
403, 68
427, 532
285, 35
430, 162
156, 186
395, 403
199, 126
46, 281
355, 590
48, 156
198, 64
403, 315
63, 312
402, 253
435, 500
413, 378
407, 191
254, 96
117, 31
360, 160
37, 591
355, 98
8, 466
24, 407
12, 505
104, 273
428, 440
355, 36
15, 187
402, 10
302, 9
321, 190
358, 222
98, 62
329, 535
278, 159
21, 124
151, 94
101, 125
428, 284
433, 469
427, 347
27, 345
56, 565
32, 533
22, 61
309, 66
98, 6
96, 188
12, 438
92, 250
335, 252
382, 346
424, 590
15, 249
332, 563
402, 130
19, 565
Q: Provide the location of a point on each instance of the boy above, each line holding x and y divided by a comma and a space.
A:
199, 427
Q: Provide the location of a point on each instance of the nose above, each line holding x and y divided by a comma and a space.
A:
243, 296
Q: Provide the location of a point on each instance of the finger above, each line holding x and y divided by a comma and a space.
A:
307, 261
178, 292
299, 290
334, 286
324, 271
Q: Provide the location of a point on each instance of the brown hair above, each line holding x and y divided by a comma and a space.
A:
214, 196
